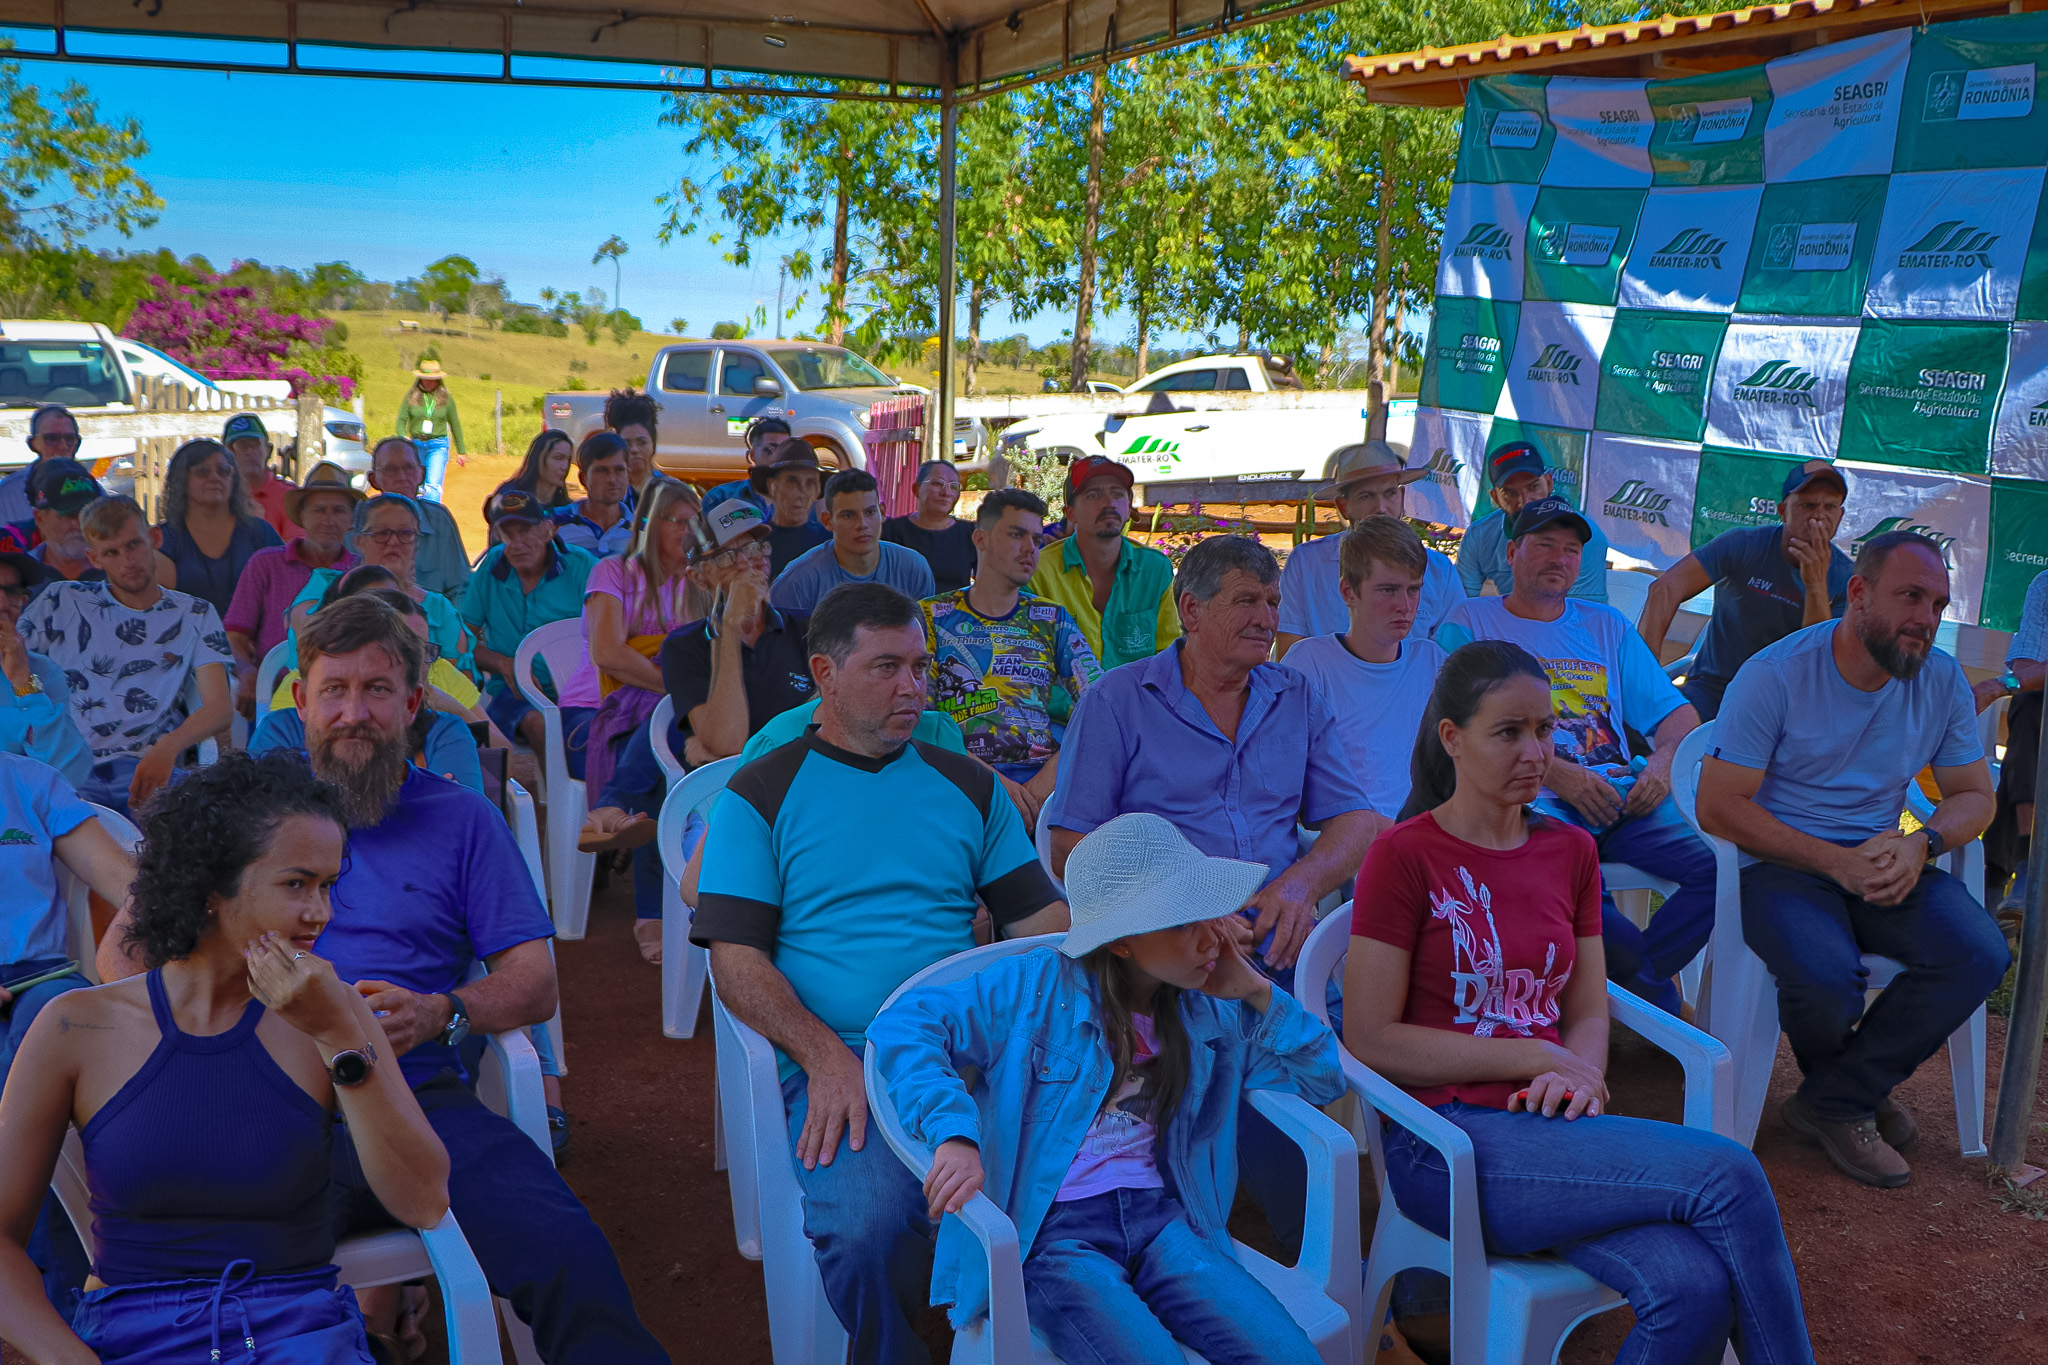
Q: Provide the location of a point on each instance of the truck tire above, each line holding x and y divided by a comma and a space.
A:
829, 453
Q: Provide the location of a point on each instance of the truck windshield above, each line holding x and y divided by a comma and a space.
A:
828, 367
74, 373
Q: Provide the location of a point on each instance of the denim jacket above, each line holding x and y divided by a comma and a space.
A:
1028, 1023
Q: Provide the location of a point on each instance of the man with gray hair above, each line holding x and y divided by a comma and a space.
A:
1229, 747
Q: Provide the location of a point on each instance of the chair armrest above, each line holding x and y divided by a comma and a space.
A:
1330, 1240
465, 1294
1680, 667
511, 1076
1468, 1244
1709, 1072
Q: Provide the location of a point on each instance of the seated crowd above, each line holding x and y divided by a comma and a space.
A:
1179, 767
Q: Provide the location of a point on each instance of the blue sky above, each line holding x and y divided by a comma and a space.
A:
390, 175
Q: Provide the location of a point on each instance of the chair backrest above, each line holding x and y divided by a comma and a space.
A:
659, 726
1041, 835
1988, 725
1685, 770
697, 791
78, 896
1628, 592
274, 666
1321, 959
526, 829
561, 644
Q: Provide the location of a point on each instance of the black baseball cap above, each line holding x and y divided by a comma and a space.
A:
1813, 471
28, 566
65, 487
1536, 515
515, 504
1519, 457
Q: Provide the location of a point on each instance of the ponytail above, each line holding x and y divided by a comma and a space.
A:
1472, 671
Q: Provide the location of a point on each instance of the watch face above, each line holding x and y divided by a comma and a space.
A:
350, 1068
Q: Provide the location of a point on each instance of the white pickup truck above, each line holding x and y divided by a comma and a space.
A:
1240, 418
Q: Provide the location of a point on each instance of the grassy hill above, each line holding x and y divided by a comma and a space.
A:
481, 363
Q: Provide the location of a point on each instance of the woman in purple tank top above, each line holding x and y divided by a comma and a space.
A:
205, 1092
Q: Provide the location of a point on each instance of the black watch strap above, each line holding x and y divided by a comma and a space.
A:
458, 1020
1936, 844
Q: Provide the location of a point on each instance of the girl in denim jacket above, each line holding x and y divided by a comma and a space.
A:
1104, 1122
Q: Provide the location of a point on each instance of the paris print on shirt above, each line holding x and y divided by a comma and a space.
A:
1488, 996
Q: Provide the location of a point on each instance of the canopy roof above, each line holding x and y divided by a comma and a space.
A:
1662, 48
901, 46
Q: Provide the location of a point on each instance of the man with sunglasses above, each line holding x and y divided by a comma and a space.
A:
52, 434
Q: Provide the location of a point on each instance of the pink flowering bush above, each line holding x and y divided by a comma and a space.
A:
224, 331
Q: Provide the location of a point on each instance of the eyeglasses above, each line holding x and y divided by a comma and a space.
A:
15, 592
675, 521
391, 537
60, 438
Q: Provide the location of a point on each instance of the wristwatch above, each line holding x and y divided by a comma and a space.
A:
35, 685
351, 1067
2008, 680
458, 1022
1936, 845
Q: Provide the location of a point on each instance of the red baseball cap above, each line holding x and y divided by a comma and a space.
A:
1088, 466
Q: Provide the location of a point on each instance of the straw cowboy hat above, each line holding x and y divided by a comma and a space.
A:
1368, 460
430, 369
1138, 873
325, 477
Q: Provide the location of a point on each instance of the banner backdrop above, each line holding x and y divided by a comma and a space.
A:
1679, 289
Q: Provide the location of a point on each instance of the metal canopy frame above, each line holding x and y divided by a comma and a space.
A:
931, 53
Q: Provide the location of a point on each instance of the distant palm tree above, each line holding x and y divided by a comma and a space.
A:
614, 247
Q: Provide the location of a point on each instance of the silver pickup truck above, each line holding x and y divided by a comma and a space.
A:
710, 391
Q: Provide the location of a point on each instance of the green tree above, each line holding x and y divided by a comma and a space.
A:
64, 172
446, 284
611, 249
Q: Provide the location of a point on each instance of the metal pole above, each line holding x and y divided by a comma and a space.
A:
949, 282
2020, 1076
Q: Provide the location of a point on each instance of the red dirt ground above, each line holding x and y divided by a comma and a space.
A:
1931, 1273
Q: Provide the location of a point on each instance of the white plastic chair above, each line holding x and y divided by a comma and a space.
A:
569, 871
1742, 998
1631, 888
768, 1216
526, 829
1320, 1292
1041, 836
439, 1252
274, 666
1505, 1310
1628, 592
659, 723
685, 968
78, 896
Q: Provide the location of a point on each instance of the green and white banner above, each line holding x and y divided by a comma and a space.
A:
1679, 289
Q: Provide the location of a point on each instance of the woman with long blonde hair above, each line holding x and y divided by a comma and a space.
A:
630, 605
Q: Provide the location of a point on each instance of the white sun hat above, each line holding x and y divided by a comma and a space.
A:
1138, 873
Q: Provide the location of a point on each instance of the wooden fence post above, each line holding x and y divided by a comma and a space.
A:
312, 446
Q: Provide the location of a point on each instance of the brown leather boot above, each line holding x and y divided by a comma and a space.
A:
1854, 1146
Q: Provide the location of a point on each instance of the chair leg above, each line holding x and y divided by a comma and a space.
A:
717, 1133
519, 1334
1966, 1080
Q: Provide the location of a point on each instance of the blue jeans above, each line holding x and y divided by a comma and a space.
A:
575, 729
434, 459
53, 1245
1116, 1278
535, 1241
865, 1216
1643, 961
106, 782
1679, 1222
638, 784
1812, 935
507, 706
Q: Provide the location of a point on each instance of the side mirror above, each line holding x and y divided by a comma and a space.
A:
767, 387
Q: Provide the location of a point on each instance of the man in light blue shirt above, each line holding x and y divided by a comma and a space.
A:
35, 717
1604, 682
1818, 737
1519, 477
856, 553
1369, 480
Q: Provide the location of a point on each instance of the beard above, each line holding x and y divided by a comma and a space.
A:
365, 765
1884, 647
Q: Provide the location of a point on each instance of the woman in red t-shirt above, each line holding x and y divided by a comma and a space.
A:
1477, 981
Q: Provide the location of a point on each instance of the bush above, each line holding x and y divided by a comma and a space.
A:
729, 331
224, 332
537, 325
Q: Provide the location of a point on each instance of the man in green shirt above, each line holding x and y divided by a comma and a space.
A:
524, 582
1119, 592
